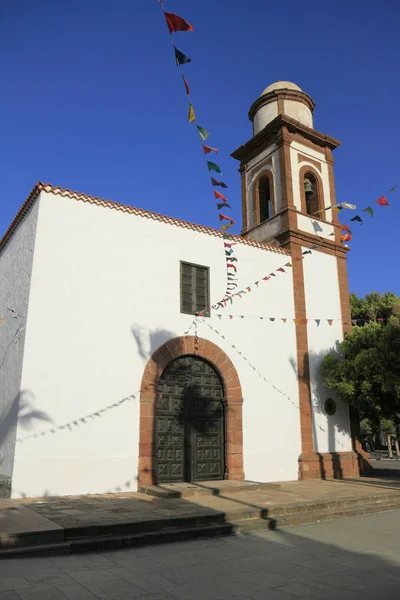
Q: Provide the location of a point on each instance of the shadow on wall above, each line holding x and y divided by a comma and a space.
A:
149, 341
335, 423
21, 410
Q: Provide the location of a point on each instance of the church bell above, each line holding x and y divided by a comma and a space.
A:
308, 187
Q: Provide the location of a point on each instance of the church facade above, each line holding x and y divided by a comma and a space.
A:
108, 381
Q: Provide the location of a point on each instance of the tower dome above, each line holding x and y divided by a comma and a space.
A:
281, 97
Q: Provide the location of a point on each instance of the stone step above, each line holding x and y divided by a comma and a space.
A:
346, 501
110, 542
143, 526
254, 512
279, 522
211, 523
207, 488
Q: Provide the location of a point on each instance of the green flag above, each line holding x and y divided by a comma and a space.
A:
213, 167
203, 133
181, 58
369, 210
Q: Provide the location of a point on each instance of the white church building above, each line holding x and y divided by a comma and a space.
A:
108, 383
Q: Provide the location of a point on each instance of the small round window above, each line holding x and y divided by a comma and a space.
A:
330, 407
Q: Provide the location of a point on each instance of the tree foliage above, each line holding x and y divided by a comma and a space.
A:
374, 306
365, 370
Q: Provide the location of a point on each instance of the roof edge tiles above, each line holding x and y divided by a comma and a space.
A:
48, 187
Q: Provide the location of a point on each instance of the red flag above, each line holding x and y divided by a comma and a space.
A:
222, 217
229, 266
220, 196
176, 23
345, 228
186, 85
207, 149
281, 269
330, 321
383, 201
266, 278
346, 237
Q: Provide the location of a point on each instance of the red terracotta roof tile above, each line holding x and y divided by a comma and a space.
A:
47, 187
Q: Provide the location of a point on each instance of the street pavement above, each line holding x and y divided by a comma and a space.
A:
351, 558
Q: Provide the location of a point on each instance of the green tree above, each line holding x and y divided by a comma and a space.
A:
374, 306
365, 370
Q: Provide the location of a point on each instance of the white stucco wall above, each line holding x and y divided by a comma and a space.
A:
104, 296
15, 271
298, 111
331, 433
265, 115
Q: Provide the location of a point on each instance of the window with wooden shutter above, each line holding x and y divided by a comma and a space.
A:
195, 287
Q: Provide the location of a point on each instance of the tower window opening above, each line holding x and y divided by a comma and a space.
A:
311, 194
264, 199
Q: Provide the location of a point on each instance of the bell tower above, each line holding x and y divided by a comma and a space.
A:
287, 171
287, 186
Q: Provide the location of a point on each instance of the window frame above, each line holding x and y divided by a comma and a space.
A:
183, 263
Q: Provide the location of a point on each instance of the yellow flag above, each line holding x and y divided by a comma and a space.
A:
2, 320
192, 116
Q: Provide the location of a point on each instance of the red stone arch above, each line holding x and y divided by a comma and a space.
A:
233, 401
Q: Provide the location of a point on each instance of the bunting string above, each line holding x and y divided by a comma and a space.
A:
263, 378
346, 236
79, 421
176, 24
347, 233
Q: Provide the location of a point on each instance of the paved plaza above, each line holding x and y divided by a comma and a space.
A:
351, 558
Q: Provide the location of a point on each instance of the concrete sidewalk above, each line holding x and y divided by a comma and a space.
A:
54, 520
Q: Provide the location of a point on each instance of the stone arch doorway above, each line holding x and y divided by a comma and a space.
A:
190, 444
216, 376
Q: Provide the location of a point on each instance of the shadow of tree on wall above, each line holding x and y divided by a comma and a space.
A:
22, 411
319, 394
149, 341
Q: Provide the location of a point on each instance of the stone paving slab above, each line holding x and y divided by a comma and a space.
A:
15, 519
109, 509
344, 560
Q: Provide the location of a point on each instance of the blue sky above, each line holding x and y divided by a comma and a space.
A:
92, 100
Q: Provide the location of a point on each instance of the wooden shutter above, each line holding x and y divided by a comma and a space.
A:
194, 288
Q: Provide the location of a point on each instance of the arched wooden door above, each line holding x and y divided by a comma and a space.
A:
189, 422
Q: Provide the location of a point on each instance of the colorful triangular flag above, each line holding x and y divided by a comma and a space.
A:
382, 201
330, 321
222, 217
176, 23
357, 218
207, 149
191, 116
281, 270
369, 210
213, 167
220, 196
347, 205
181, 59
218, 183
203, 133
186, 85
222, 205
